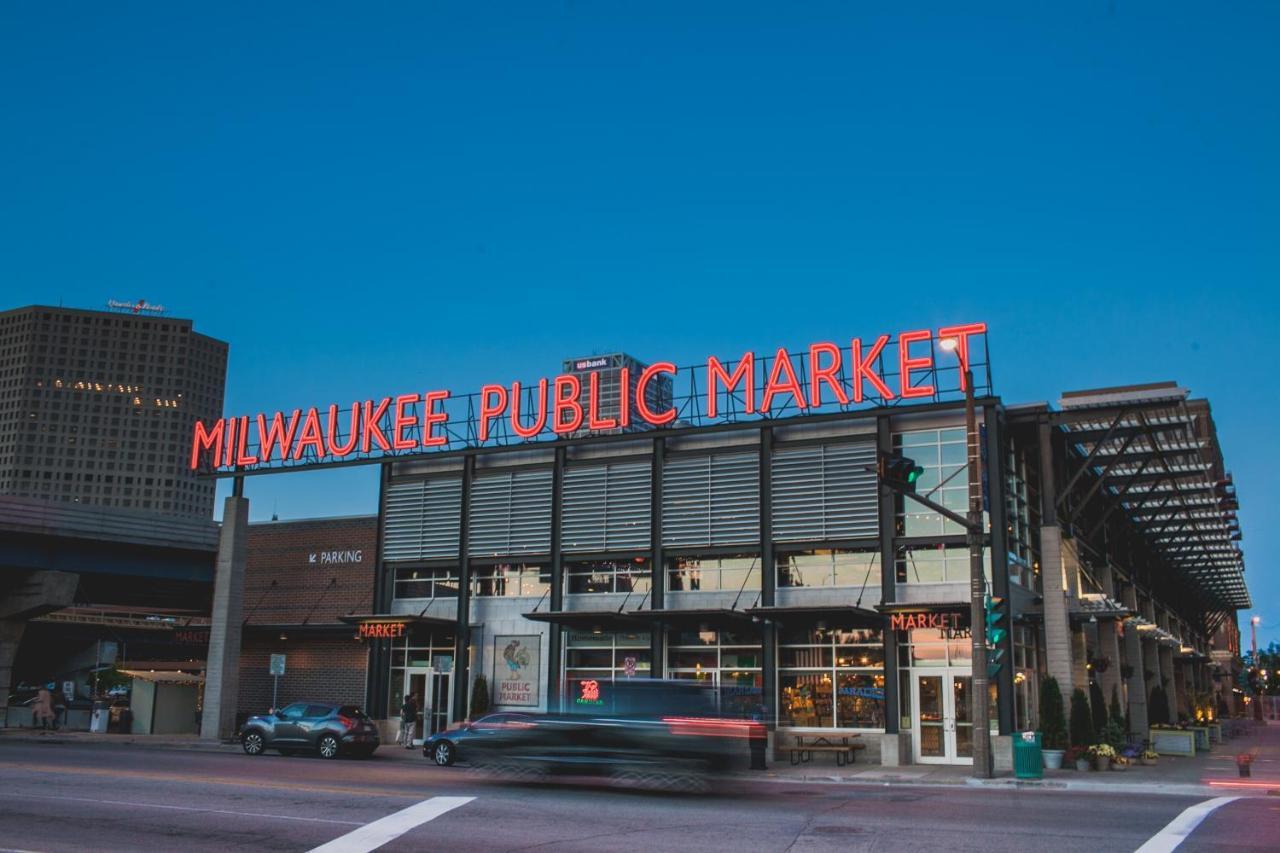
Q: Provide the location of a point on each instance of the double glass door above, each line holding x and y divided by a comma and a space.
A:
432, 690
944, 720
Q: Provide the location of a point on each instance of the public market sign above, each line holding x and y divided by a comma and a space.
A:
824, 377
380, 630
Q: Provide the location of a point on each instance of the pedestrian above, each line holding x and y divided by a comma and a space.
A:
42, 710
408, 720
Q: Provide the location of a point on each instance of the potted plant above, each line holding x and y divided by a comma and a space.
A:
1149, 757
1082, 733
1101, 755
1053, 724
1119, 762
1079, 758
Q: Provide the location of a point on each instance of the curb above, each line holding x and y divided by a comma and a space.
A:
123, 740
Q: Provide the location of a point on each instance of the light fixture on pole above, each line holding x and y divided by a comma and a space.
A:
982, 768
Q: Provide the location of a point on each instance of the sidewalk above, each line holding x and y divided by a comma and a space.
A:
1213, 773
16, 735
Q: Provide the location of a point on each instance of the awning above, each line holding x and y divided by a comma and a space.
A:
589, 620
924, 606
695, 618
832, 613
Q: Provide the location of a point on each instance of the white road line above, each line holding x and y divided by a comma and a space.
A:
184, 809
374, 835
1181, 826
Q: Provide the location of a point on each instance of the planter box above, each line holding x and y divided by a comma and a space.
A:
1215, 732
1173, 741
1202, 737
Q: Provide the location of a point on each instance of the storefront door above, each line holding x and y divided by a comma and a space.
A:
416, 682
944, 724
439, 702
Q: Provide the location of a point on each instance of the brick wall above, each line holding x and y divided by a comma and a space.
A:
321, 569
324, 669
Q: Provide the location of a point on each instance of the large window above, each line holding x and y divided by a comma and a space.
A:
728, 660
702, 573
1026, 676
943, 454
427, 583
831, 567
831, 678
600, 576
605, 656
511, 579
937, 564
418, 648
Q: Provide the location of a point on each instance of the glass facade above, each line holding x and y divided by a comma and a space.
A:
426, 583
937, 564
943, 454
832, 567
703, 573
729, 660
831, 678
511, 580
605, 656
583, 577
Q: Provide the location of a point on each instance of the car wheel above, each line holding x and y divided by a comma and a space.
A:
328, 746
252, 743
443, 753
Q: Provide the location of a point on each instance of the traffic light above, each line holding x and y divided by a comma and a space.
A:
898, 472
994, 613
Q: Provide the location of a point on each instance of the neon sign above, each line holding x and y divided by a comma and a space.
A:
589, 693
824, 377
380, 630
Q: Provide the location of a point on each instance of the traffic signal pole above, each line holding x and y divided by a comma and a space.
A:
982, 768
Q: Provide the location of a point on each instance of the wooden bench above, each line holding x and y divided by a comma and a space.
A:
804, 746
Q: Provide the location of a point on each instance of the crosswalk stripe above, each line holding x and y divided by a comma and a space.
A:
373, 835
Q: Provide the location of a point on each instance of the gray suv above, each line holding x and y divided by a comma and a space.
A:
321, 727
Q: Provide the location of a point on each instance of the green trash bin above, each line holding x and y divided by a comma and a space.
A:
1028, 760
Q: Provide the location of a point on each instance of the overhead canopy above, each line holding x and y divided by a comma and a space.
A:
834, 614
597, 621
1154, 454
696, 618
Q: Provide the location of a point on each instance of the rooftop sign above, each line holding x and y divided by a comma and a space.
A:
140, 306
822, 378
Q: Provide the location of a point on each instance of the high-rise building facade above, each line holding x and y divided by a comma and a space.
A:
98, 407
609, 397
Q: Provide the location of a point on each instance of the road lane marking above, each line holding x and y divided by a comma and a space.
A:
184, 809
1181, 826
373, 835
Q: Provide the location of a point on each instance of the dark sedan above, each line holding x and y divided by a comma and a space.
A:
444, 747
320, 727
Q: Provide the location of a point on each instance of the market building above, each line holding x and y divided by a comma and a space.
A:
746, 541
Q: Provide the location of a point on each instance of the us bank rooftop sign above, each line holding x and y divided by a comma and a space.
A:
822, 378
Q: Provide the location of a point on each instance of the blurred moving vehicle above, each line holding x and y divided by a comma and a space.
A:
639, 731
444, 748
325, 728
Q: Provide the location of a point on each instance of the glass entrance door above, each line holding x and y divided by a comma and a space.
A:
944, 723
416, 681
437, 709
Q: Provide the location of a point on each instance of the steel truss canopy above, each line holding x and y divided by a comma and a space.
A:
1154, 454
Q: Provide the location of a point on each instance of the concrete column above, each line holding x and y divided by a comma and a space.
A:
1182, 700
1057, 628
222, 671
1138, 720
10, 637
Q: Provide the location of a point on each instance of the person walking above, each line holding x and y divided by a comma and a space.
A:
408, 720
42, 710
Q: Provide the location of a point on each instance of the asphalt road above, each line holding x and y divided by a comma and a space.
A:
56, 797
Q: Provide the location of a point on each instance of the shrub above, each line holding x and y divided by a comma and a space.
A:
1082, 732
1117, 712
479, 697
1158, 707
1053, 721
1097, 707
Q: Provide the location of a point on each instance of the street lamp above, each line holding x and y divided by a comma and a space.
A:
977, 582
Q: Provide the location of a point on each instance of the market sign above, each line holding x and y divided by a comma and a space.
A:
515, 670
380, 630
945, 622
822, 378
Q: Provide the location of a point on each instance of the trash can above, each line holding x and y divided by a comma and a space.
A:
1028, 760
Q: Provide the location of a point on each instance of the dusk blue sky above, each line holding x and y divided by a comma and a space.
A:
372, 199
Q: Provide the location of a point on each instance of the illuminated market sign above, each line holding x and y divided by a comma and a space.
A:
938, 621
822, 378
380, 630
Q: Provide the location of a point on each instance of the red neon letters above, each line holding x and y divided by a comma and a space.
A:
573, 401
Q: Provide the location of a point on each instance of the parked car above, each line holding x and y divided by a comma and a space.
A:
445, 747
325, 728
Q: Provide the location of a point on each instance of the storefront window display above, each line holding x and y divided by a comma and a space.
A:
697, 572
728, 660
831, 678
511, 579
605, 656
601, 576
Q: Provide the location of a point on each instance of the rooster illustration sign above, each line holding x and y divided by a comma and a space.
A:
515, 665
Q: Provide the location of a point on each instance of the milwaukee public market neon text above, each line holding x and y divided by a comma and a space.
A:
796, 382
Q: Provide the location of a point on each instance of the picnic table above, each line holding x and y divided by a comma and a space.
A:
845, 747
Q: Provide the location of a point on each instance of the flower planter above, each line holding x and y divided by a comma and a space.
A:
1083, 764
1173, 741
1202, 737
1115, 765
1052, 759
1215, 732
1149, 762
